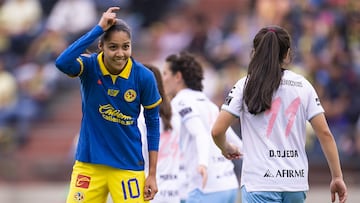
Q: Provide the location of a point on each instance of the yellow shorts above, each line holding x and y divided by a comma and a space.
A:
91, 183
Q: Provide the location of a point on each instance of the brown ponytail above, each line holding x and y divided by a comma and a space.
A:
271, 45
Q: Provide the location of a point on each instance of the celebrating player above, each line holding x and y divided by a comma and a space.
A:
113, 88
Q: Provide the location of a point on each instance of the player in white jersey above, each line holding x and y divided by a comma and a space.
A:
168, 165
273, 105
211, 177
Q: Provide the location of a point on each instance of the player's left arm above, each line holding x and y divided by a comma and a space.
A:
150, 182
196, 128
153, 138
151, 99
328, 145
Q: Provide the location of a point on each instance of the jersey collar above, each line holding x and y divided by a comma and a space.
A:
125, 73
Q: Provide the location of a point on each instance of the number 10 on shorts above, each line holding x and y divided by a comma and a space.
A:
130, 188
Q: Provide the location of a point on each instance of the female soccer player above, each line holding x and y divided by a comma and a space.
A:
273, 105
168, 166
210, 177
113, 88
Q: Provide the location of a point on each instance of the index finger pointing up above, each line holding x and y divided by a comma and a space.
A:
113, 9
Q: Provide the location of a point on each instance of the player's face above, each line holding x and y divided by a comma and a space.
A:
169, 80
117, 50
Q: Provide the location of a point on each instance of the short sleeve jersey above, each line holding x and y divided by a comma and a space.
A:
274, 141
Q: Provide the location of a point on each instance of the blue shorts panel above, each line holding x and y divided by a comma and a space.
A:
272, 197
227, 196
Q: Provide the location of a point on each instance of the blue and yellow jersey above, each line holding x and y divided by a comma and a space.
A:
111, 105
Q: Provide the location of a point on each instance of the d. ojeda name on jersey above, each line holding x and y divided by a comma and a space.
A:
283, 153
284, 173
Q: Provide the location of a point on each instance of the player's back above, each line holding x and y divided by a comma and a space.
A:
205, 108
189, 103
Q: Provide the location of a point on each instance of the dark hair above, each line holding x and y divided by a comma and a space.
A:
189, 67
271, 45
165, 107
120, 25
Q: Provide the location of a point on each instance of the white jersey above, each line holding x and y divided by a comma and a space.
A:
274, 141
191, 104
168, 165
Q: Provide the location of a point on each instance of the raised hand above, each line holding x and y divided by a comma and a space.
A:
108, 18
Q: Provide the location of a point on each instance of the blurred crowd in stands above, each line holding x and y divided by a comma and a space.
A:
325, 35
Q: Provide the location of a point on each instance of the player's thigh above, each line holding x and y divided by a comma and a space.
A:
127, 186
294, 197
88, 184
195, 196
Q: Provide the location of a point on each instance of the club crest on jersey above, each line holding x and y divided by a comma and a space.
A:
79, 197
130, 95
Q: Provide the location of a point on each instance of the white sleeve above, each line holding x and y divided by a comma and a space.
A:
233, 138
233, 101
197, 129
313, 105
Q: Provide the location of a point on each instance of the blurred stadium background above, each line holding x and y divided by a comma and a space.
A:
40, 108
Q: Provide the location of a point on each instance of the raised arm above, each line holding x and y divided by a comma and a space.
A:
68, 61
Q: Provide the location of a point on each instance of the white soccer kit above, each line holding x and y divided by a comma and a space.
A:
168, 166
197, 144
274, 141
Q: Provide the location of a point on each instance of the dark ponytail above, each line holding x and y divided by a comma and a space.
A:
271, 45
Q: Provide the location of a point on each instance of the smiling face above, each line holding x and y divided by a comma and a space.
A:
117, 51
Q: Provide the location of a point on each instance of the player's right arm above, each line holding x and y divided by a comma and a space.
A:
69, 61
218, 132
233, 138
